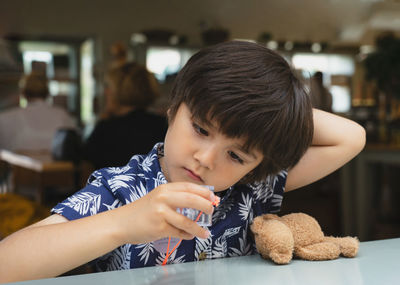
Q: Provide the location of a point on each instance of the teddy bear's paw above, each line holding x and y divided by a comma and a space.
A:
279, 241
348, 245
318, 251
281, 257
273, 239
278, 252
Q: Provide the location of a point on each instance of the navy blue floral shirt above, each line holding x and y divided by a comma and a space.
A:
114, 187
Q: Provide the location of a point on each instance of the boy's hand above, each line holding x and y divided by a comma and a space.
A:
154, 216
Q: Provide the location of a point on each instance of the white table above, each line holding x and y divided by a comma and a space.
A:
376, 263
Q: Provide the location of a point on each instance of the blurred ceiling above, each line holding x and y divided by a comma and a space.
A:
341, 22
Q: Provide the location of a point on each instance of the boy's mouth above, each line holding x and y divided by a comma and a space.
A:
193, 175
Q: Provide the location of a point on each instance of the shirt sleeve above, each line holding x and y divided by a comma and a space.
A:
95, 198
268, 194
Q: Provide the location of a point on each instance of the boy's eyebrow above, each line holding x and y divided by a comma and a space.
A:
242, 149
237, 145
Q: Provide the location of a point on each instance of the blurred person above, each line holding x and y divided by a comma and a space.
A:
119, 54
160, 105
321, 98
33, 128
126, 127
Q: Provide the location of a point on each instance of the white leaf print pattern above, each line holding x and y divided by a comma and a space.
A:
251, 215
244, 247
160, 258
84, 202
265, 190
159, 180
136, 158
120, 258
203, 246
245, 207
220, 245
58, 211
118, 170
148, 249
262, 190
172, 259
148, 162
222, 209
96, 182
219, 248
276, 202
114, 205
120, 181
139, 191
283, 174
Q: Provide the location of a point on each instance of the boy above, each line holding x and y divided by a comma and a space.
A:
239, 121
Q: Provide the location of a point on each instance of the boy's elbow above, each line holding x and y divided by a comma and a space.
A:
359, 139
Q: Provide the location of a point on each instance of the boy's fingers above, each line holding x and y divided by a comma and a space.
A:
178, 233
184, 224
192, 188
188, 200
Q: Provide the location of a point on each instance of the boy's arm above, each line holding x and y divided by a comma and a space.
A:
336, 141
55, 245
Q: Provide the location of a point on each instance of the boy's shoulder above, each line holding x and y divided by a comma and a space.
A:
141, 171
146, 164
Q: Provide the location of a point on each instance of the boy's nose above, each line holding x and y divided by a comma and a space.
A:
206, 156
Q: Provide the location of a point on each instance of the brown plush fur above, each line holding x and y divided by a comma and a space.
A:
278, 238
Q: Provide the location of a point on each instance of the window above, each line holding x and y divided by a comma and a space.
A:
331, 65
164, 61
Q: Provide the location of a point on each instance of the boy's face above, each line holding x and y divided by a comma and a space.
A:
200, 154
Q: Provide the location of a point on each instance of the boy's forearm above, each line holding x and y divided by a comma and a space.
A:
50, 250
336, 140
333, 130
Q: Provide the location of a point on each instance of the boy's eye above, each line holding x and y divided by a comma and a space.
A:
200, 130
235, 157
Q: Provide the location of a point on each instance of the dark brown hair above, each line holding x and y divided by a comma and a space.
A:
35, 85
133, 85
250, 92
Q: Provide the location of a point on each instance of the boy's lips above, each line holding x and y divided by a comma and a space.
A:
193, 175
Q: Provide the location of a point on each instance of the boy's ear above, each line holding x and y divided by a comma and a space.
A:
169, 115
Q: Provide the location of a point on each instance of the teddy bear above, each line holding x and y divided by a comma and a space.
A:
279, 238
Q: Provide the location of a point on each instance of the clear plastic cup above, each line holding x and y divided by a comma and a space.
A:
204, 220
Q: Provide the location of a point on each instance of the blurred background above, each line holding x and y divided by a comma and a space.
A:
347, 51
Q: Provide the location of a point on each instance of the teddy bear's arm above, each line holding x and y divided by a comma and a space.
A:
318, 251
348, 245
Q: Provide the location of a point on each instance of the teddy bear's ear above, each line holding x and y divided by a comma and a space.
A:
257, 224
270, 217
